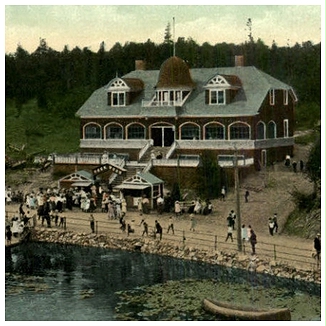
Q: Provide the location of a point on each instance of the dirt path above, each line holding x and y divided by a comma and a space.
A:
270, 192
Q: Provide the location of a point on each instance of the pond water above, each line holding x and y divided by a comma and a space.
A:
64, 282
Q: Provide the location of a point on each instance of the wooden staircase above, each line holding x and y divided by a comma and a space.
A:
134, 167
154, 149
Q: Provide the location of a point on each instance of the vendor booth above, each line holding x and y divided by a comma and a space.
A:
139, 186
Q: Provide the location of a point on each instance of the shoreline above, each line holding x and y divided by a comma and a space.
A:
176, 250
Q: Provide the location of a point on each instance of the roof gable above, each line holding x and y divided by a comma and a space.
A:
143, 179
81, 175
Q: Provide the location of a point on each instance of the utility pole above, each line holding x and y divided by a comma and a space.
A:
237, 197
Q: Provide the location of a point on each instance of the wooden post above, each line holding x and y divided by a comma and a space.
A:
215, 243
274, 252
183, 238
237, 196
96, 227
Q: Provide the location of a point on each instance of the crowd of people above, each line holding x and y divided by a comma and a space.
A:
49, 205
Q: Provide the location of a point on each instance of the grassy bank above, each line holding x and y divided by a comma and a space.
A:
38, 130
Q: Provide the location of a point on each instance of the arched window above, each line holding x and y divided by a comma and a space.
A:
92, 131
271, 129
190, 131
214, 131
113, 131
260, 129
136, 131
239, 130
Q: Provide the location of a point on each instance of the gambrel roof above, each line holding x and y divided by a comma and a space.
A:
253, 87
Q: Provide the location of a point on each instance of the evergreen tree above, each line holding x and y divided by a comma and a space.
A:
175, 193
209, 176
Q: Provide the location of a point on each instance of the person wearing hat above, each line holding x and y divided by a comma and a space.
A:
317, 246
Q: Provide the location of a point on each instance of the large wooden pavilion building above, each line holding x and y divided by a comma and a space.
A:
187, 111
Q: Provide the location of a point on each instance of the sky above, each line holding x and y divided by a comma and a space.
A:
90, 25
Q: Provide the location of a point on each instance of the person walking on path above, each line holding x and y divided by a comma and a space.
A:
8, 235
275, 222
246, 196
271, 226
244, 233
62, 220
223, 193
229, 220
92, 223
123, 224
229, 234
160, 205
145, 231
317, 246
170, 226
193, 223
253, 241
159, 229
234, 216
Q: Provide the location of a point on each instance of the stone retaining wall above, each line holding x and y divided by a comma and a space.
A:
155, 246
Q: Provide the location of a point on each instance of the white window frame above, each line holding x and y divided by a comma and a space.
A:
117, 94
272, 96
194, 136
241, 124
217, 91
113, 124
271, 123
92, 125
213, 124
286, 128
264, 129
286, 97
134, 125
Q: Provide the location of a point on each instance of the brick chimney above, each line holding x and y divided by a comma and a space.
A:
238, 61
140, 65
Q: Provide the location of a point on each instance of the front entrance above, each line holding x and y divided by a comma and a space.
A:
163, 136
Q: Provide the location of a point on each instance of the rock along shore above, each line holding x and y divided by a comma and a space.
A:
181, 251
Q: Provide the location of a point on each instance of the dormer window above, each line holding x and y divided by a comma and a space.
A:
221, 89
118, 99
217, 97
168, 98
174, 84
122, 91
